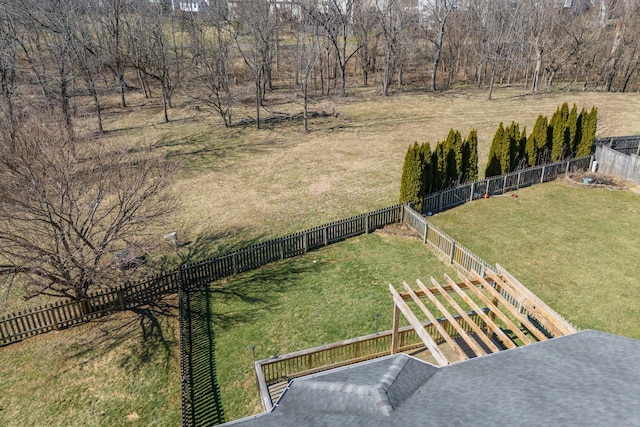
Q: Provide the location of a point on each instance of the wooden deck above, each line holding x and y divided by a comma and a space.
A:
504, 314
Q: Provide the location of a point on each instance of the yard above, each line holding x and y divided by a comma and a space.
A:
236, 186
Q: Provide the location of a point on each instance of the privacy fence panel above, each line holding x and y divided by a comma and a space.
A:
624, 166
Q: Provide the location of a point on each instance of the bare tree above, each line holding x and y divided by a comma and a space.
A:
74, 218
393, 19
156, 51
110, 35
438, 14
335, 17
210, 44
308, 53
254, 38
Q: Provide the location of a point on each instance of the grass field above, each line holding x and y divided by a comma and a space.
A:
238, 183
576, 248
319, 298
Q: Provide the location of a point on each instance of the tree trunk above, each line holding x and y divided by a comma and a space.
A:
536, 73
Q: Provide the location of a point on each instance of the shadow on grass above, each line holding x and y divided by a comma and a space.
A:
204, 390
144, 333
256, 292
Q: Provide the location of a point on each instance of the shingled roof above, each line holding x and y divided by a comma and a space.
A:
586, 378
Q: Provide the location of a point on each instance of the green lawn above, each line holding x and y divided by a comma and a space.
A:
576, 248
122, 370
319, 298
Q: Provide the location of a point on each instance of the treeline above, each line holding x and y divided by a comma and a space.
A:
453, 160
74, 57
568, 134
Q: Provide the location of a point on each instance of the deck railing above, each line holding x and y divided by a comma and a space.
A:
294, 365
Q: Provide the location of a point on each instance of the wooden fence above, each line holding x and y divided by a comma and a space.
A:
622, 144
616, 163
461, 194
18, 326
457, 254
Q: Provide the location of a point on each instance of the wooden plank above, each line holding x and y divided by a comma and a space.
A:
474, 326
477, 349
434, 321
513, 310
525, 303
480, 312
417, 326
549, 314
500, 314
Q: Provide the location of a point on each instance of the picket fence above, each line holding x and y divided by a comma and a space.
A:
64, 314
450, 198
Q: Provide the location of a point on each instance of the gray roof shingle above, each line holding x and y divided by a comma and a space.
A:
587, 378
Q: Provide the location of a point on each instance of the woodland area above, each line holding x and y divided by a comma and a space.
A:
56, 54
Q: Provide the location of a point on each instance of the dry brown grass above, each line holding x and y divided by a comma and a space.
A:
256, 184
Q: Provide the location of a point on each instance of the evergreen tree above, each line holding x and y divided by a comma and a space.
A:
427, 169
458, 158
537, 142
572, 125
531, 150
560, 133
579, 130
508, 138
439, 162
493, 164
450, 158
472, 164
411, 181
589, 127
519, 159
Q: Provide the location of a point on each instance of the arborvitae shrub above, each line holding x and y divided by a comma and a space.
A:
439, 161
589, 127
505, 148
537, 141
411, 181
451, 156
493, 165
572, 125
427, 169
472, 144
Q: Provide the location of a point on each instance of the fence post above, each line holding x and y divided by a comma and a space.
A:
324, 233
453, 247
566, 171
234, 262
121, 299
426, 229
366, 224
1, 333
473, 187
281, 249
542, 175
305, 241
440, 202
518, 183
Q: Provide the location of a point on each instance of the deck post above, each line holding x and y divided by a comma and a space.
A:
394, 333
